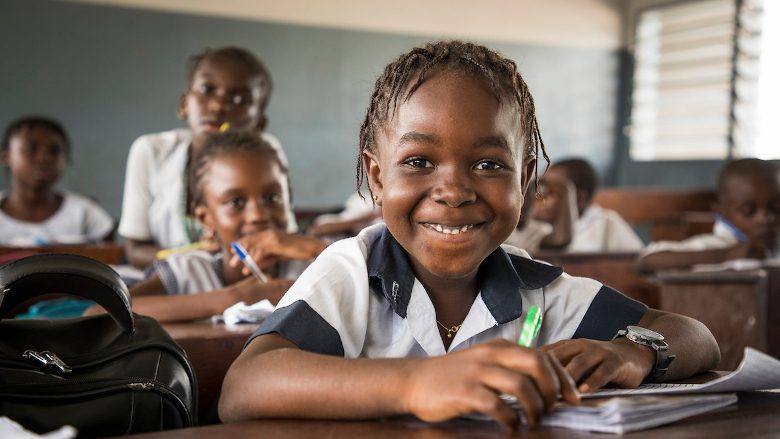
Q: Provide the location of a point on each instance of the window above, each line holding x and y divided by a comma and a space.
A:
696, 81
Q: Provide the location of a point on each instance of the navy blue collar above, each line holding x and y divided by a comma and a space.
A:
502, 276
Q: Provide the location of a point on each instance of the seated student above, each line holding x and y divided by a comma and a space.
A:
241, 194
359, 212
36, 149
596, 229
448, 147
227, 88
531, 234
747, 224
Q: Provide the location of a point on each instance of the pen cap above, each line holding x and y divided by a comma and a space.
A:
239, 250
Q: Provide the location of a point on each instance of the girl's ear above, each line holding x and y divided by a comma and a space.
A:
528, 172
181, 112
374, 173
4, 157
203, 215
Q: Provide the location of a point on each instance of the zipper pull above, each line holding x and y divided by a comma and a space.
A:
47, 359
141, 386
55, 361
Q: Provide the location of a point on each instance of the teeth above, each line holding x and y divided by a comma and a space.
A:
450, 230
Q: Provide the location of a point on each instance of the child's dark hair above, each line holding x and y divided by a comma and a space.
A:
242, 56
407, 73
220, 144
743, 167
34, 121
581, 174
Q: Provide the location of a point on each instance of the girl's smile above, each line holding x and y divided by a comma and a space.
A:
448, 171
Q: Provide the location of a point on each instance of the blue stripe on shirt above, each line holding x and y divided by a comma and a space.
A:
609, 312
300, 324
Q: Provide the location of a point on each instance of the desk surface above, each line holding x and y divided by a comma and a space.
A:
211, 349
756, 415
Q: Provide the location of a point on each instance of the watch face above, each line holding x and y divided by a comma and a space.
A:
643, 333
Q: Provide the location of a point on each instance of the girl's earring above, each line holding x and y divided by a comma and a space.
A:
376, 199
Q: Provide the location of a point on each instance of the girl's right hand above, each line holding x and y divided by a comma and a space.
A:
470, 381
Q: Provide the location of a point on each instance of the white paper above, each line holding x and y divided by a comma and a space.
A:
243, 313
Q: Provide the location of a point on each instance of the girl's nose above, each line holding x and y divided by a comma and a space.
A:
454, 189
255, 212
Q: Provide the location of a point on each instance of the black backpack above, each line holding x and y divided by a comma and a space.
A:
106, 375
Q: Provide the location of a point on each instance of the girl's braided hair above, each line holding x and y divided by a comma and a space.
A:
402, 77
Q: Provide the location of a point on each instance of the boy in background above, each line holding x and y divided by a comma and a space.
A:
747, 223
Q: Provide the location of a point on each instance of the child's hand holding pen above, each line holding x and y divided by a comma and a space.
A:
473, 380
271, 245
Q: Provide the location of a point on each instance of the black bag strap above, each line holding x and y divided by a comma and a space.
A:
80, 276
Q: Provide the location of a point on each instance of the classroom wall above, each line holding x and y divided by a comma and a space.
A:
112, 73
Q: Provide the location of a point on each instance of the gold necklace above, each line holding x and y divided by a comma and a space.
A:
450, 330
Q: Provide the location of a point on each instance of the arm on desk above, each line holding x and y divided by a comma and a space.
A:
141, 254
594, 364
273, 378
663, 260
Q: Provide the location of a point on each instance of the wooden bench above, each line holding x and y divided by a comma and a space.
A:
671, 214
612, 269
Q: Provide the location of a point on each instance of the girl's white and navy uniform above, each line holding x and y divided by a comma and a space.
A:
360, 298
198, 271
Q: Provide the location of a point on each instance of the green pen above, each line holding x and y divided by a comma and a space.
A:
533, 321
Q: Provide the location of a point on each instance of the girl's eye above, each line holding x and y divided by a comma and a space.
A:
205, 89
488, 165
240, 99
417, 162
236, 203
275, 198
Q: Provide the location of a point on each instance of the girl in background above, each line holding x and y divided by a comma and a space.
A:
33, 212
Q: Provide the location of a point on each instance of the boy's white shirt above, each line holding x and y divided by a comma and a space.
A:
603, 230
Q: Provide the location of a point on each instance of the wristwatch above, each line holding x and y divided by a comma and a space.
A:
654, 340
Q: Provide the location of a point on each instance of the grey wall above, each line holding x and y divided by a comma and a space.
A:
112, 74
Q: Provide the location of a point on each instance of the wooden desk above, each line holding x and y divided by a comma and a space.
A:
756, 415
211, 349
613, 269
105, 253
741, 308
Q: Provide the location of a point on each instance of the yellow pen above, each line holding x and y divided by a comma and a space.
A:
224, 127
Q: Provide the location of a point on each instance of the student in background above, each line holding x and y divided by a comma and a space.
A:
532, 234
747, 224
227, 89
36, 150
241, 194
448, 147
596, 229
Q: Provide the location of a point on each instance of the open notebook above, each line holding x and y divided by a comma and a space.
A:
651, 405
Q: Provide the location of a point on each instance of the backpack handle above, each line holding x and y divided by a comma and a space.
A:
80, 276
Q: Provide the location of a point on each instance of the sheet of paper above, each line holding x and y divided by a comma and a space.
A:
757, 371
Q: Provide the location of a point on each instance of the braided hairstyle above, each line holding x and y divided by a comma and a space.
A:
221, 144
245, 58
402, 77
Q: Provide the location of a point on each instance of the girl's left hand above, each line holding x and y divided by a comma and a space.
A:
593, 364
268, 246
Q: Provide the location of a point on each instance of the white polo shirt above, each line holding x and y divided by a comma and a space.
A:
602, 230
360, 298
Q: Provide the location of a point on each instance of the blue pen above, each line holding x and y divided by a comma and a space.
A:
249, 262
